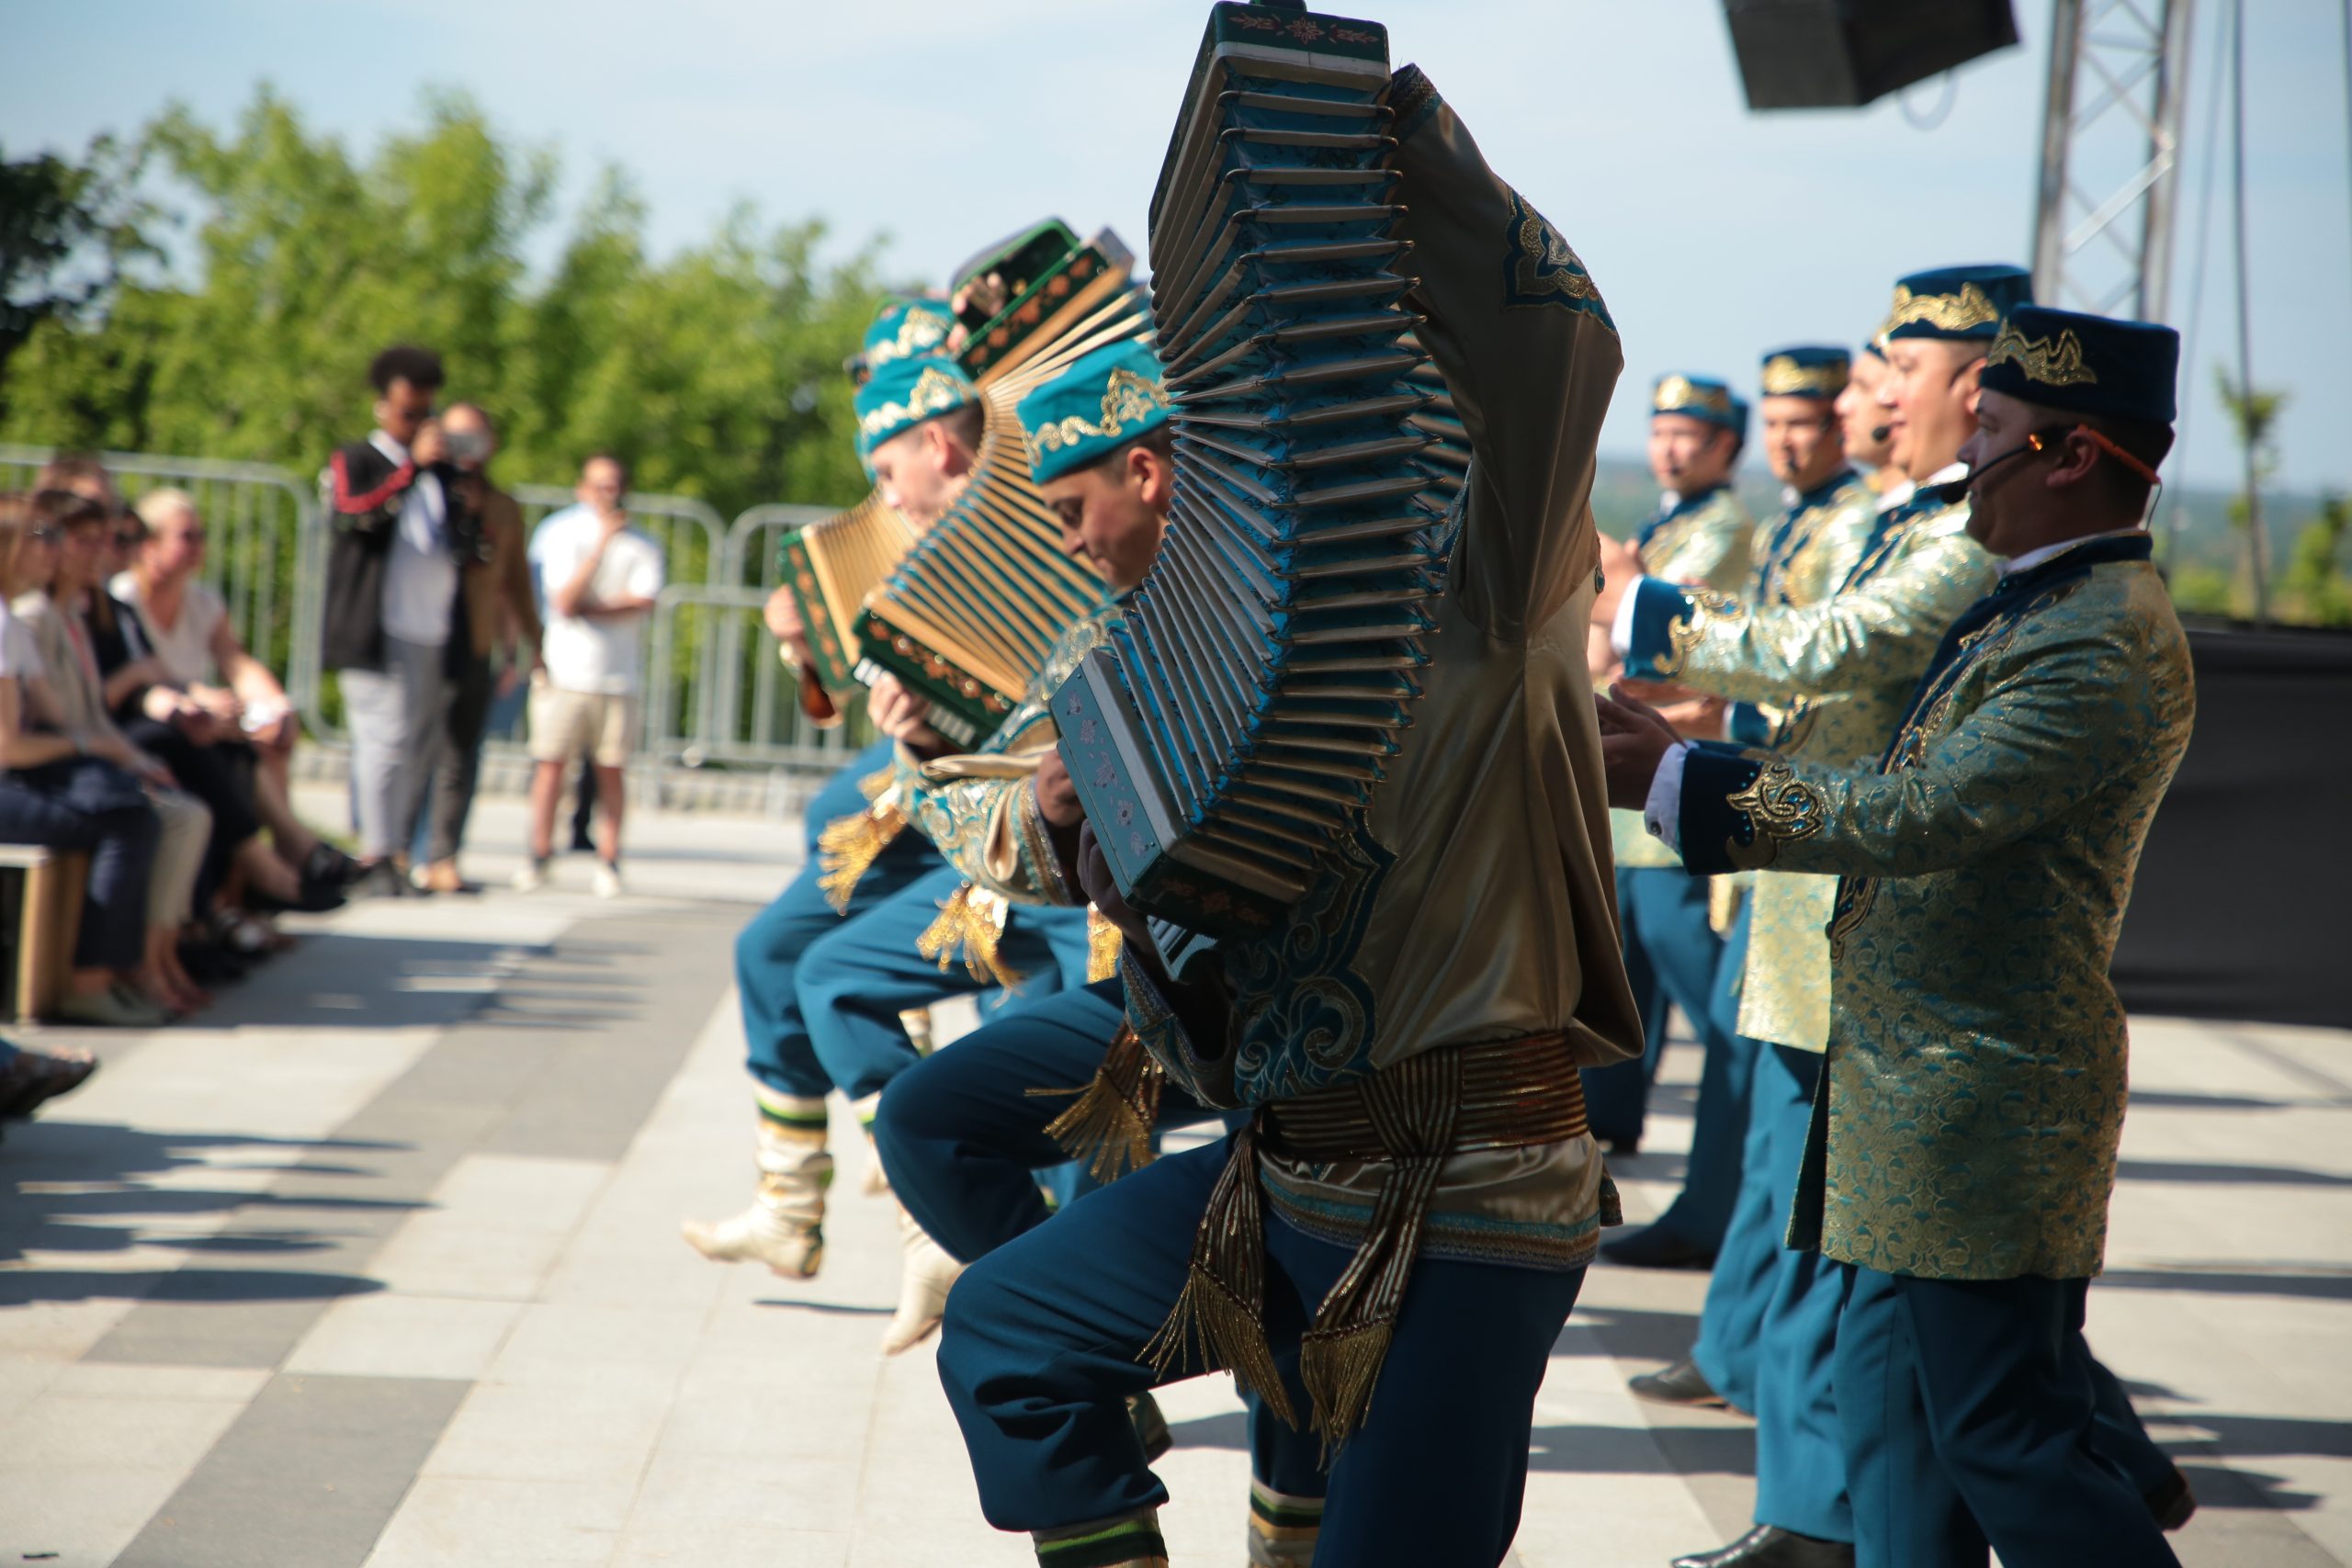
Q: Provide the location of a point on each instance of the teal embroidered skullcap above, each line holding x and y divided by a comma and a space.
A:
905, 326
905, 392
1104, 401
1876, 350
1956, 303
1700, 398
1808, 370
2099, 366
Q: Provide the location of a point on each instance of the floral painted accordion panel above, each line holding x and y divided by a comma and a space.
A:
1236, 725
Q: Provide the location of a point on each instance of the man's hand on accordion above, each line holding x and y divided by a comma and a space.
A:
782, 616
903, 716
1057, 800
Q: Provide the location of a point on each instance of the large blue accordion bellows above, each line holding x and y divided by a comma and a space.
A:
1235, 725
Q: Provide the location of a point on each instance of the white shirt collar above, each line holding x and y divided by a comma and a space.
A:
396, 450
2032, 558
1945, 475
1898, 493
1667, 500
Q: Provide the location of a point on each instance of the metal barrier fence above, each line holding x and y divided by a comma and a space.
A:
715, 691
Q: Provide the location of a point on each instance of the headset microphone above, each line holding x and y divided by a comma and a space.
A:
1880, 432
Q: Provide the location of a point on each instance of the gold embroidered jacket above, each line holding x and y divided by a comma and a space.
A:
1973, 1099
979, 810
1834, 674
1702, 541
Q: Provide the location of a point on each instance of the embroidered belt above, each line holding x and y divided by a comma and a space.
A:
1412, 1116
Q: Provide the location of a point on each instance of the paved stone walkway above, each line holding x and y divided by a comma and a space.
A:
379, 1266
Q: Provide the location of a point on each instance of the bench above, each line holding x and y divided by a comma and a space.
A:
40, 912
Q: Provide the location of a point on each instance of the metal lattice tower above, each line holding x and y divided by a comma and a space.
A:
2111, 155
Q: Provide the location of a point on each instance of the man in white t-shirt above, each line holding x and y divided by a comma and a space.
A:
600, 577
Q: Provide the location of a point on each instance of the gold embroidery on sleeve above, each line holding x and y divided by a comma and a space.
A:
1782, 810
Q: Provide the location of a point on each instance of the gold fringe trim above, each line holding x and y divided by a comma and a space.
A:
1219, 1317
877, 784
848, 849
1209, 1323
1109, 1124
1102, 944
970, 921
1339, 1368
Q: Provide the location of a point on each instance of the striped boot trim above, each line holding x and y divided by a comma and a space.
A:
1130, 1542
800, 1112
1283, 1528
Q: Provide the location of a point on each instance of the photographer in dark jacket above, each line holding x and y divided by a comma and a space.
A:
395, 604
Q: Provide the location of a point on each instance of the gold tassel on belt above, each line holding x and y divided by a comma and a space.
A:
971, 922
1414, 1104
1109, 1124
847, 849
1221, 1316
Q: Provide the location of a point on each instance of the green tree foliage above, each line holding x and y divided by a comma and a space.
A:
716, 371
2313, 584
2254, 411
66, 230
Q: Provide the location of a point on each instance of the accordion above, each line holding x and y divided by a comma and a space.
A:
968, 614
1024, 294
1235, 725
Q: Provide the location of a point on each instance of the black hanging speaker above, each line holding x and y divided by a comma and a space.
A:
1821, 55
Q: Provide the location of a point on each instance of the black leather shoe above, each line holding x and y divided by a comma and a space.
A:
1652, 1247
2171, 1504
1769, 1546
1681, 1383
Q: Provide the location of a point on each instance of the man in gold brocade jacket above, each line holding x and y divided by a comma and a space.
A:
1700, 535
1827, 678
1961, 1155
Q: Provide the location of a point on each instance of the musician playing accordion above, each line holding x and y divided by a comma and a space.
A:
1405, 1045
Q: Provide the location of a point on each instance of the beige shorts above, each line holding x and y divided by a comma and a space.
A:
565, 725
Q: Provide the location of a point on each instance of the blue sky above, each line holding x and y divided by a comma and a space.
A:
1715, 234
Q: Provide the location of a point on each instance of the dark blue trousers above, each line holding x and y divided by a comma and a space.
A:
1670, 956
1040, 1351
963, 1140
854, 980
1701, 1213
89, 806
768, 951
1968, 1411
1748, 1267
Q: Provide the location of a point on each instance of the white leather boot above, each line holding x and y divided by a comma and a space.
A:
785, 1226
926, 1276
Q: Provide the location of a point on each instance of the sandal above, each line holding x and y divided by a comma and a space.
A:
32, 1077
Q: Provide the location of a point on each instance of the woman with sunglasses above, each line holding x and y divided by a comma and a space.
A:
73, 793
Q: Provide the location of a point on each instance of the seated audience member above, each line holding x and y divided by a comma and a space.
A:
186, 626
61, 567
207, 757
75, 793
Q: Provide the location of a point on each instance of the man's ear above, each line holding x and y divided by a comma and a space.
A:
2078, 458
1971, 382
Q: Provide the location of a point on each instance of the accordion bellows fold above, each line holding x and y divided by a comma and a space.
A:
1238, 721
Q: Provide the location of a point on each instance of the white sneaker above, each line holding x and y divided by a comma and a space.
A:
607, 884
532, 877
